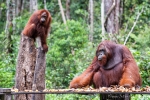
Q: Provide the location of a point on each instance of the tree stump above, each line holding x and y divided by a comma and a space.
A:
39, 75
25, 67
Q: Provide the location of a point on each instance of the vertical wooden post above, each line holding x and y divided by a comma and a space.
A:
1, 96
5, 94
8, 96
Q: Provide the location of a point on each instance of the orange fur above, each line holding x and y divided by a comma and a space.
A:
131, 76
35, 27
83, 80
117, 67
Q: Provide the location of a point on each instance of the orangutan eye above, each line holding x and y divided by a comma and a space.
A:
102, 50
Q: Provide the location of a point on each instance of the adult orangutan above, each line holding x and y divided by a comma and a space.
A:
38, 26
112, 65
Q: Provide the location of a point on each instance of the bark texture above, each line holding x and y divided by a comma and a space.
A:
25, 67
112, 12
39, 75
91, 20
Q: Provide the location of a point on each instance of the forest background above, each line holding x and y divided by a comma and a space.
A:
72, 49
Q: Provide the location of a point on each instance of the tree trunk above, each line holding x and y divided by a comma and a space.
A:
117, 14
1, 9
9, 29
23, 5
62, 11
33, 5
39, 75
25, 67
26, 5
112, 14
0, 13
14, 15
67, 9
91, 18
45, 7
102, 19
19, 4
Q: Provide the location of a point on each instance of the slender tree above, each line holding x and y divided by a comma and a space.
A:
19, 4
34, 5
102, 18
0, 13
45, 7
10, 26
23, 5
139, 13
67, 9
62, 11
91, 18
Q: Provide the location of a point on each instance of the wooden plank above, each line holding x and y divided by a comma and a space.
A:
5, 90
74, 91
68, 91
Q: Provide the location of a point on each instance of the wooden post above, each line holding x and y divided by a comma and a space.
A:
5, 94
1, 96
25, 67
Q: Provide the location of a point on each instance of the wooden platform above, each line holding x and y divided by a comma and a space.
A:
7, 93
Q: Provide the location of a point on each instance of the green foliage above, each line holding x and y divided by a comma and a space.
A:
144, 35
144, 64
72, 97
2, 16
66, 41
7, 71
21, 22
141, 31
8, 63
140, 97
